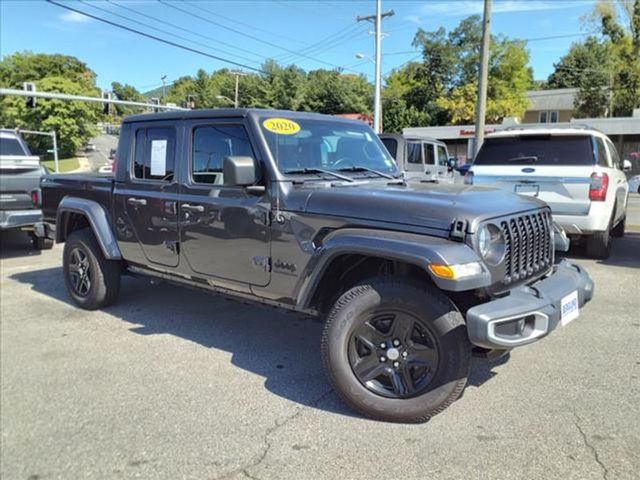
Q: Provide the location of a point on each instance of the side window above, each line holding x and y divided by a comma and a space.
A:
614, 155
443, 161
602, 153
429, 154
209, 147
154, 157
413, 153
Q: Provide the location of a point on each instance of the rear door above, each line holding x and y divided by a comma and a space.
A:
146, 214
554, 168
618, 181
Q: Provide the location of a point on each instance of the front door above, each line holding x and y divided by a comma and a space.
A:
146, 220
430, 164
224, 230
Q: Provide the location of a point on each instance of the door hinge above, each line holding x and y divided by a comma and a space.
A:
173, 246
263, 262
458, 230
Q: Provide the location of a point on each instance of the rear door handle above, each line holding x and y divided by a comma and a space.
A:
136, 201
192, 208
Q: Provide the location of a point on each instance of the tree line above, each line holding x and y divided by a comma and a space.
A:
439, 88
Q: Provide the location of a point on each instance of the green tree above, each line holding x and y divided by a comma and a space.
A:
73, 122
128, 93
444, 86
329, 91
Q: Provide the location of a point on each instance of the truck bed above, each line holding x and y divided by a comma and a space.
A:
56, 187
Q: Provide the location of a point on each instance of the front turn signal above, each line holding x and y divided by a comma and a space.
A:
456, 272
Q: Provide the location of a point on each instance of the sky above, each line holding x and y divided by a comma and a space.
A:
308, 33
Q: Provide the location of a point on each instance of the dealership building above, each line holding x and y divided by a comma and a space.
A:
548, 108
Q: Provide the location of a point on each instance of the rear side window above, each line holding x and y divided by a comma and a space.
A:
209, 147
429, 154
154, 156
391, 145
601, 153
537, 149
413, 153
11, 147
615, 159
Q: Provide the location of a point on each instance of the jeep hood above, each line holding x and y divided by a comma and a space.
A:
422, 205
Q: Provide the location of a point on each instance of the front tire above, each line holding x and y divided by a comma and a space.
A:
92, 281
396, 350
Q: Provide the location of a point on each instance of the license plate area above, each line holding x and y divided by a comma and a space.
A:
569, 308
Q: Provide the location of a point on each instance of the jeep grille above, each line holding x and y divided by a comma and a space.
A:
529, 245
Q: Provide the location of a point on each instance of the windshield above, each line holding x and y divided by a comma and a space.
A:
304, 144
537, 149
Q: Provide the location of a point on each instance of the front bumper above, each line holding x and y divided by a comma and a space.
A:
529, 312
19, 218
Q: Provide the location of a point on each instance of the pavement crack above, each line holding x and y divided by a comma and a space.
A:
585, 440
244, 469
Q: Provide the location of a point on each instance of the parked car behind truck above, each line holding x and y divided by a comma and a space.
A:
309, 213
20, 174
576, 171
422, 159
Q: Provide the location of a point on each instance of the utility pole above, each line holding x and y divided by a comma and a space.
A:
164, 85
238, 74
481, 107
377, 22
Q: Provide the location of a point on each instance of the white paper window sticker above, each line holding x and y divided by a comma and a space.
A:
158, 158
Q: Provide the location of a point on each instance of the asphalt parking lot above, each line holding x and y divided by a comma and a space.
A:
173, 383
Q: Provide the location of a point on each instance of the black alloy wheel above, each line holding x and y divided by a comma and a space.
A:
393, 353
79, 272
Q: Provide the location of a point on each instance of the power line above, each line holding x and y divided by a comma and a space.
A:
253, 27
329, 41
206, 37
91, 5
244, 34
159, 39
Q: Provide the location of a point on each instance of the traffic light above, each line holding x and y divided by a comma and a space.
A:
106, 106
30, 87
155, 101
191, 102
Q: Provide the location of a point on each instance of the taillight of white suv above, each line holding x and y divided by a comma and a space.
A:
598, 187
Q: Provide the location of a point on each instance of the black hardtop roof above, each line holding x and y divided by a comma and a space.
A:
411, 138
232, 113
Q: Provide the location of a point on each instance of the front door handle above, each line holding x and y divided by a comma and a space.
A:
192, 208
136, 201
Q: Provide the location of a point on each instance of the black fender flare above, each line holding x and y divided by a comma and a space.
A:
98, 219
416, 249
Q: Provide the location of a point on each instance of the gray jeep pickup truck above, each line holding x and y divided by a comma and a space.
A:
309, 213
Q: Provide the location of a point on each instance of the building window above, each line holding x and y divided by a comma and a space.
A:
548, 116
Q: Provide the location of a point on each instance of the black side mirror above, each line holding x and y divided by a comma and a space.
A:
240, 171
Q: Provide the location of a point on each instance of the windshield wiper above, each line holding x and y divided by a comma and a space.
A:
302, 171
360, 168
528, 158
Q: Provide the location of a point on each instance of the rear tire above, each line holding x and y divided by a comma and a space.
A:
396, 350
599, 245
618, 230
92, 281
41, 243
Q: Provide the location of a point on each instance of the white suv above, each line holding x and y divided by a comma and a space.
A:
577, 171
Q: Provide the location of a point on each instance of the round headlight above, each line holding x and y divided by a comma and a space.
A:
491, 244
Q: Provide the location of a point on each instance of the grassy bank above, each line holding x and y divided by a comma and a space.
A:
65, 164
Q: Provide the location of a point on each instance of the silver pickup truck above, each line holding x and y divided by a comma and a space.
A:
20, 174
